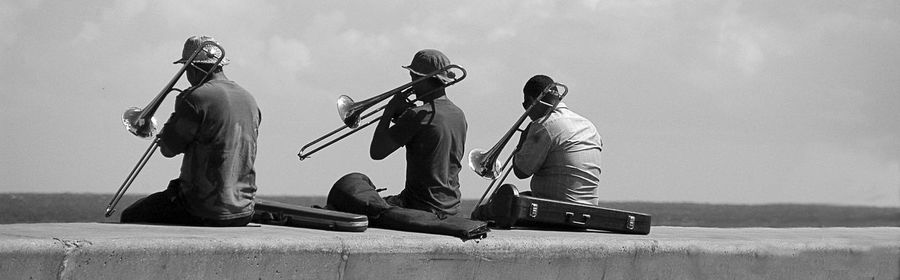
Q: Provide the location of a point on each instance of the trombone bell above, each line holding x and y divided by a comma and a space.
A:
353, 112
137, 126
349, 115
477, 161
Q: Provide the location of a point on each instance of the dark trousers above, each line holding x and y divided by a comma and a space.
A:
166, 207
402, 200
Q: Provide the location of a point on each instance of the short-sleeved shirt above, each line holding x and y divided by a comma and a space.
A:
563, 156
215, 125
433, 154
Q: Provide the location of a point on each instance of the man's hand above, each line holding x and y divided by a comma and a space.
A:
383, 142
396, 106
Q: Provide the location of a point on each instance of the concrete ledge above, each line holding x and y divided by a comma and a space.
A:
120, 251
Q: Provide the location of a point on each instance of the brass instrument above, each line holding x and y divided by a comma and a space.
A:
141, 122
485, 163
351, 112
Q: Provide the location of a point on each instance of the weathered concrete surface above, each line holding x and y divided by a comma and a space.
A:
119, 251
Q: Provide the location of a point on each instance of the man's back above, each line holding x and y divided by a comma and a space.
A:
563, 155
434, 154
218, 180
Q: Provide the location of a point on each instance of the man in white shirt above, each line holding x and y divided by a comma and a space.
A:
561, 154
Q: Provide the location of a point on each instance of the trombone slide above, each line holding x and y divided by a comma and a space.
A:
486, 165
141, 122
111, 207
351, 113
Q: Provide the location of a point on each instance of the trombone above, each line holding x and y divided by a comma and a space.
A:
485, 163
141, 122
351, 112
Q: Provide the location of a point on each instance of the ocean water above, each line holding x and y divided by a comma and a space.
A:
81, 207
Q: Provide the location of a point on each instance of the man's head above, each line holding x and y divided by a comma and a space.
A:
205, 61
532, 90
426, 62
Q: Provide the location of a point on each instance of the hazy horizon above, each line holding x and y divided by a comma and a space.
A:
735, 102
475, 199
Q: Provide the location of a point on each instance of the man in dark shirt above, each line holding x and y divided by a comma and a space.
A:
215, 125
434, 134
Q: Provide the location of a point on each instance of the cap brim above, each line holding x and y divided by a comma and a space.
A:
442, 77
224, 61
413, 71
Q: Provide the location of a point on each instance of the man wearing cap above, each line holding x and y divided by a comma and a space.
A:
561, 154
434, 135
215, 126
559, 150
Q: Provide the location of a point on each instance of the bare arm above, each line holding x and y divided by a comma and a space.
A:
534, 144
387, 139
179, 130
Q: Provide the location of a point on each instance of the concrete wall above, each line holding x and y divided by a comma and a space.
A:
118, 251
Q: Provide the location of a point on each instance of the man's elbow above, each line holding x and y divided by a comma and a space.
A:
166, 152
376, 156
520, 174
376, 152
380, 147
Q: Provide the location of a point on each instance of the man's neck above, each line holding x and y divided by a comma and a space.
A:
437, 94
217, 76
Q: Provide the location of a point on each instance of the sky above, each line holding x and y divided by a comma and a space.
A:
738, 102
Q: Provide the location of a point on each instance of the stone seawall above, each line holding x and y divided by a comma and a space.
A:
120, 251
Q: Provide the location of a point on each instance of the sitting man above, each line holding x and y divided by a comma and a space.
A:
434, 135
561, 153
215, 126
559, 150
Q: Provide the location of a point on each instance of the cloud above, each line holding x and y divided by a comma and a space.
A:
747, 40
90, 31
119, 14
502, 33
326, 24
330, 39
372, 44
492, 21
10, 11
218, 16
290, 54
124, 10
742, 49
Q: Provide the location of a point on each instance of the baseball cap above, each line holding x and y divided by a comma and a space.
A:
209, 54
430, 60
534, 86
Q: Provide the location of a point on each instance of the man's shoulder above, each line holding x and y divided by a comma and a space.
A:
563, 122
204, 90
215, 89
564, 116
448, 108
437, 107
